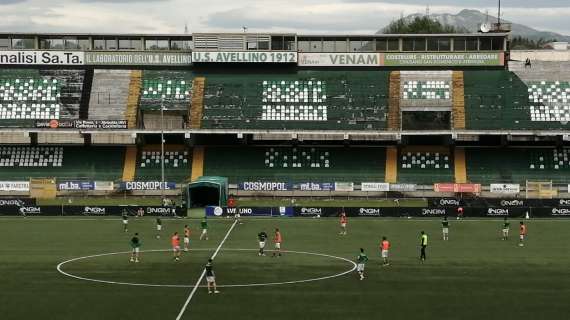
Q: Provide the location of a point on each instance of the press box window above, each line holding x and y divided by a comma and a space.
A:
28, 43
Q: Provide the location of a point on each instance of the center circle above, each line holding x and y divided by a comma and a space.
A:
322, 255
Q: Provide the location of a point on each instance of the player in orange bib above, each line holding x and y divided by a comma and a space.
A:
277, 239
343, 222
175, 241
522, 234
186, 237
385, 247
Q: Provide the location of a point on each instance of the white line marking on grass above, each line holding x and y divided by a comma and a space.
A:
352, 264
185, 306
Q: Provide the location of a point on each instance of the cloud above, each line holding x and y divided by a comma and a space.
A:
122, 1
11, 1
477, 3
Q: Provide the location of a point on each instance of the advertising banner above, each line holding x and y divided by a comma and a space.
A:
249, 211
263, 186
457, 187
402, 187
75, 185
82, 124
505, 188
17, 202
313, 186
147, 185
18, 186
339, 59
39, 57
442, 59
344, 186
375, 186
125, 58
34, 210
104, 185
244, 56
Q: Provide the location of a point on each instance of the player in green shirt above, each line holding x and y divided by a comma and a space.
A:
262, 236
423, 244
204, 225
158, 227
506, 227
445, 228
135, 245
361, 260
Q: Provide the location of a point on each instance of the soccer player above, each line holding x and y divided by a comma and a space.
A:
506, 227
522, 234
343, 222
445, 228
211, 277
262, 236
204, 225
385, 247
232, 204
135, 244
125, 222
277, 239
158, 227
361, 260
186, 237
459, 213
175, 241
423, 244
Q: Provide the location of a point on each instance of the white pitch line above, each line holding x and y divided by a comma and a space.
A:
185, 306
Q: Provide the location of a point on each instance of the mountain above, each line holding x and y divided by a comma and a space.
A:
471, 19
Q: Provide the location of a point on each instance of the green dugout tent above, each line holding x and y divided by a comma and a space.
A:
207, 191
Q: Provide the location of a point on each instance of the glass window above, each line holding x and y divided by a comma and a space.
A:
130, 44
381, 44
432, 44
111, 44
394, 44
497, 44
156, 44
328, 45
471, 44
26, 43
4, 43
355, 45
340, 45
459, 44
316, 45
99, 44
181, 45
304, 45
51, 44
71, 44
277, 43
408, 44
419, 44
84, 44
289, 43
263, 44
367, 44
444, 44
485, 44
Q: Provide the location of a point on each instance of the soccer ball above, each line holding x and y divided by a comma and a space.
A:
318, 215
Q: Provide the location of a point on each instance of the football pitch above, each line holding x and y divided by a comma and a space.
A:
474, 275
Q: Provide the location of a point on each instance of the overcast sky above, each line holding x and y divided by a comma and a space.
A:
301, 16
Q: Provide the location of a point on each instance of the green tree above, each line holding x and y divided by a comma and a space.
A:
420, 25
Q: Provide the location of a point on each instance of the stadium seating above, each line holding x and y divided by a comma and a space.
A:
296, 164
109, 94
175, 86
305, 100
549, 101
177, 166
431, 90
40, 94
492, 165
93, 163
425, 167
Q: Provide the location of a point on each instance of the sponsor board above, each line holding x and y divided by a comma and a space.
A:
30, 210
494, 212
147, 185
17, 202
39, 57
560, 212
244, 56
457, 187
442, 59
370, 212
564, 202
339, 59
375, 186
445, 202
434, 212
122, 58
402, 187
264, 186
505, 188
344, 186
104, 185
75, 185
512, 203
249, 211
18, 186
313, 186
82, 124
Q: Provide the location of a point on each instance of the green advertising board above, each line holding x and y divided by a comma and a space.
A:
118, 58
442, 59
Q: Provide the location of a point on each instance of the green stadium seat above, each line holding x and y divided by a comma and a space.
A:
175, 86
177, 166
431, 90
425, 167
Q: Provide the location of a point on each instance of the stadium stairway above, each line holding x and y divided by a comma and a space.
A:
197, 163
196, 109
86, 94
133, 99
460, 166
394, 103
541, 70
130, 165
109, 94
458, 109
391, 164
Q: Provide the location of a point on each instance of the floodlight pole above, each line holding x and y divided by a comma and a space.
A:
162, 186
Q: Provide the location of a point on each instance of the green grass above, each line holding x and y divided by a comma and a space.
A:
101, 201
475, 275
320, 202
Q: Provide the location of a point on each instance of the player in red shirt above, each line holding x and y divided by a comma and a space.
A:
459, 213
385, 247
232, 204
277, 239
343, 222
175, 241
522, 234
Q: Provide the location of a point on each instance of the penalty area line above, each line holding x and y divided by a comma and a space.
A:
197, 285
